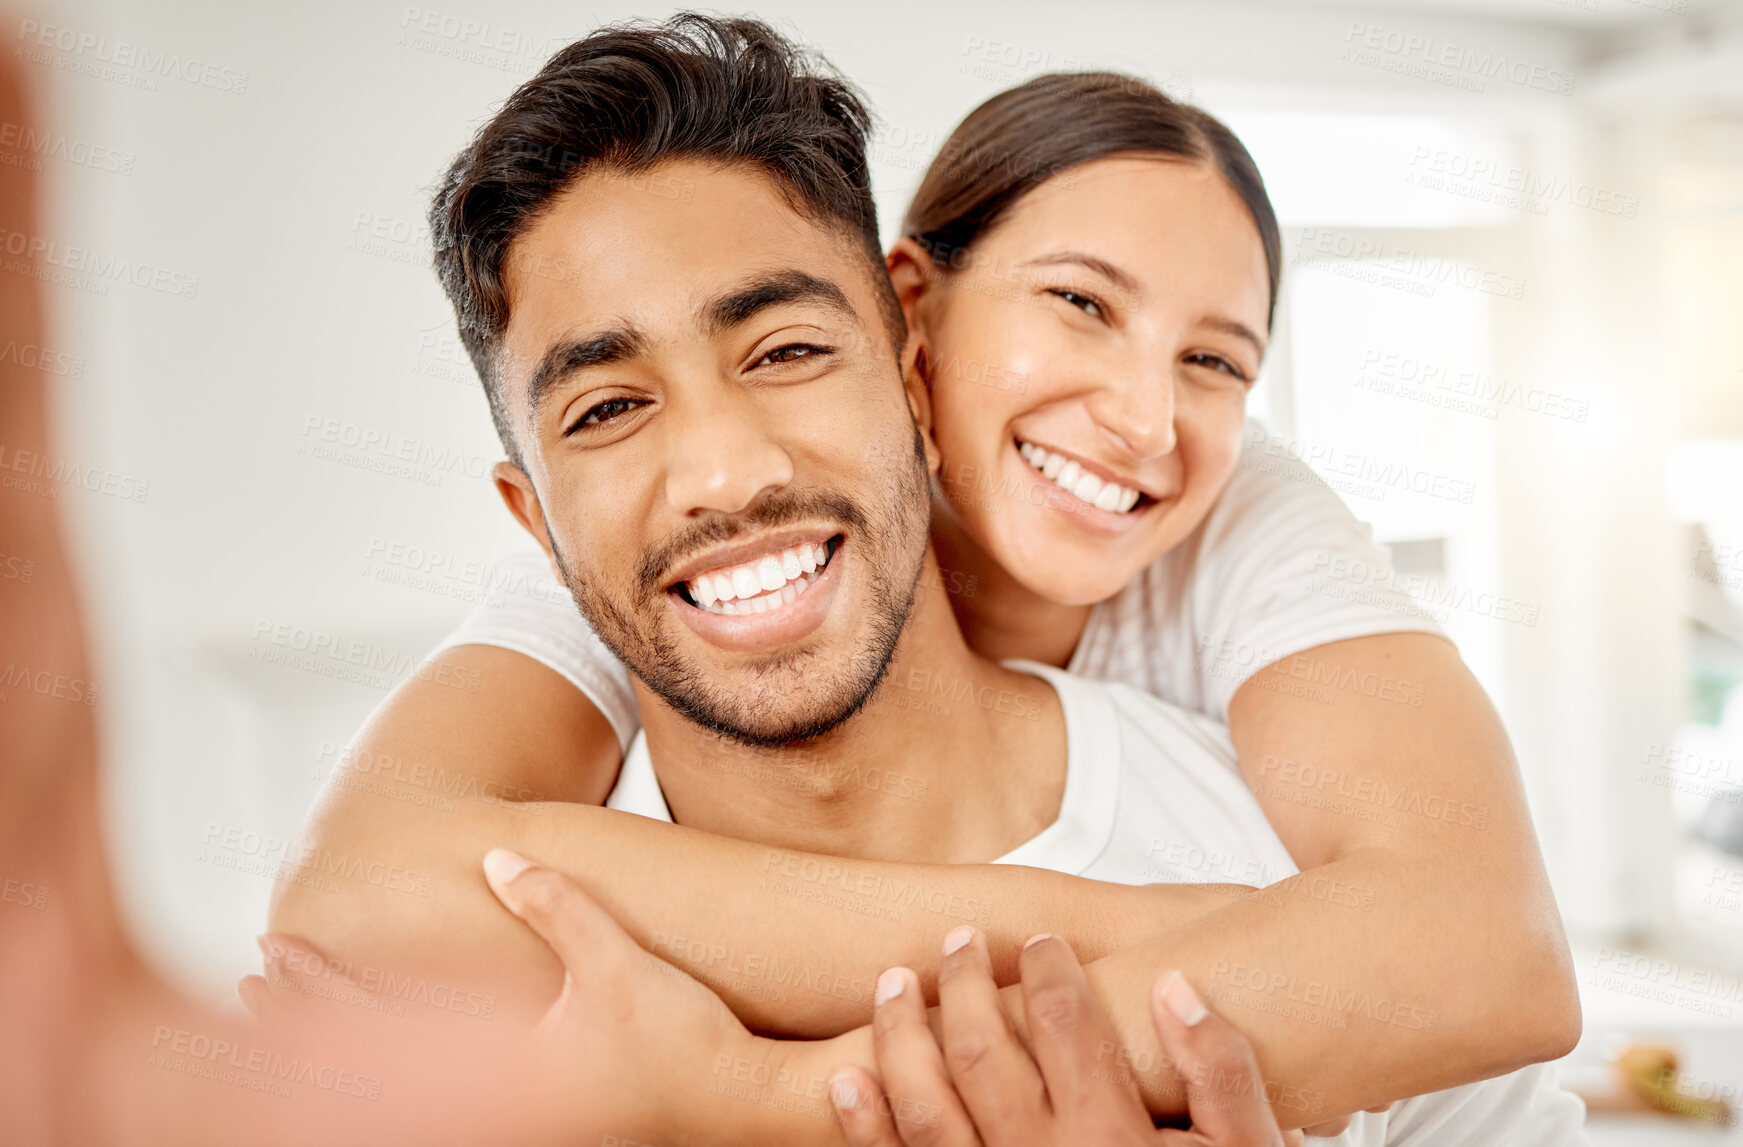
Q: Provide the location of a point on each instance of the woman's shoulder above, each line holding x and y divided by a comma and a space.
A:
1272, 484
1274, 508
1247, 586
519, 603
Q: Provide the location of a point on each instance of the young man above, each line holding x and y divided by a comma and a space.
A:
706, 385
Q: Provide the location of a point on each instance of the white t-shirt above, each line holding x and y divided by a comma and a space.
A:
1153, 794
1246, 588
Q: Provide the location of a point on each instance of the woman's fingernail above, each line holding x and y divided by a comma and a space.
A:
1037, 938
1182, 1000
501, 866
843, 1093
957, 937
890, 985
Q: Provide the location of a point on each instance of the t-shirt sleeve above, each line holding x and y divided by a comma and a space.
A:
1282, 565
527, 609
1525, 1108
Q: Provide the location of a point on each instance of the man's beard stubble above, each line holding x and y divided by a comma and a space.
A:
650, 652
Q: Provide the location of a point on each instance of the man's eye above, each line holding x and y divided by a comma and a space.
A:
793, 352
1083, 302
1217, 362
605, 412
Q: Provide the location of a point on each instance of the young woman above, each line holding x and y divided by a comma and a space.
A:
1089, 272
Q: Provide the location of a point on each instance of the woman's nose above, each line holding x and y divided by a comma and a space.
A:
1137, 414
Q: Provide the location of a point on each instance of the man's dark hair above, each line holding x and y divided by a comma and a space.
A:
627, 98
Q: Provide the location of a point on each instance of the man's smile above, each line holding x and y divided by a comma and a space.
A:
775, 578
759, 595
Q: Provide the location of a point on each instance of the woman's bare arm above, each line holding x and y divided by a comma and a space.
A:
1420, 947
1445, 927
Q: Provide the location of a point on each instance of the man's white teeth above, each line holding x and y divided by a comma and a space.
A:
745, 583
770, 582
1078, 482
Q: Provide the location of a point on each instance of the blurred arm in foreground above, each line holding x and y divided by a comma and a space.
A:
97, 1050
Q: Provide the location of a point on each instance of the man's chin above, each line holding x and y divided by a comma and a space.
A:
800, 692
780, 708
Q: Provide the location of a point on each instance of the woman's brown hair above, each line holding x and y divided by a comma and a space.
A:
1021, 138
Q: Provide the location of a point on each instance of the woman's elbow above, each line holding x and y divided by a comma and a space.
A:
1558, 1021
1534, 1012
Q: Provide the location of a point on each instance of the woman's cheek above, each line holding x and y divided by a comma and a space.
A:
1209, 434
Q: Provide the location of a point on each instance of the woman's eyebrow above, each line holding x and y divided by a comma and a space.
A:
1090, 262
1239, 330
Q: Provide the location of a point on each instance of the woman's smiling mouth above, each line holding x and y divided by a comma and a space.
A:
1071, 477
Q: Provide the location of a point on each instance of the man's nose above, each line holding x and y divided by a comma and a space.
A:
722, 456
1136, 412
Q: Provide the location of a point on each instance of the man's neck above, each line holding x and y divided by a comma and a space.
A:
954, 759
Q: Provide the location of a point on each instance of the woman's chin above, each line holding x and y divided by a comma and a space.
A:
1067, 582
1066, 565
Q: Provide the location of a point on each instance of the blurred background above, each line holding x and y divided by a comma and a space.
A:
1511, 338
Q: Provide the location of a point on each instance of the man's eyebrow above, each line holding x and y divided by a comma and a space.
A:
564, 358
740, 305
721, 313
1083, 259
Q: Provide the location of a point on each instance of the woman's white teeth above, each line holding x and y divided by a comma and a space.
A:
770, 582
1078, 482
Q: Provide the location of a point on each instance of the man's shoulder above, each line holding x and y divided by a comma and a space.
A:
1123, 703
1147, 727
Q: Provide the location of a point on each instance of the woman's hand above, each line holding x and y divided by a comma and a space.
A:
975, 1085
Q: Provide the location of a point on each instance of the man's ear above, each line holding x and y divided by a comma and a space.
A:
917, 382
912, 274
523, 502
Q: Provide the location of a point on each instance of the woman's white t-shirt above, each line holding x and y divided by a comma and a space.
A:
1266, 575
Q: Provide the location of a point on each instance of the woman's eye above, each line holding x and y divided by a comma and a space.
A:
1083, 302
793, 353
1216, 362
605, 412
